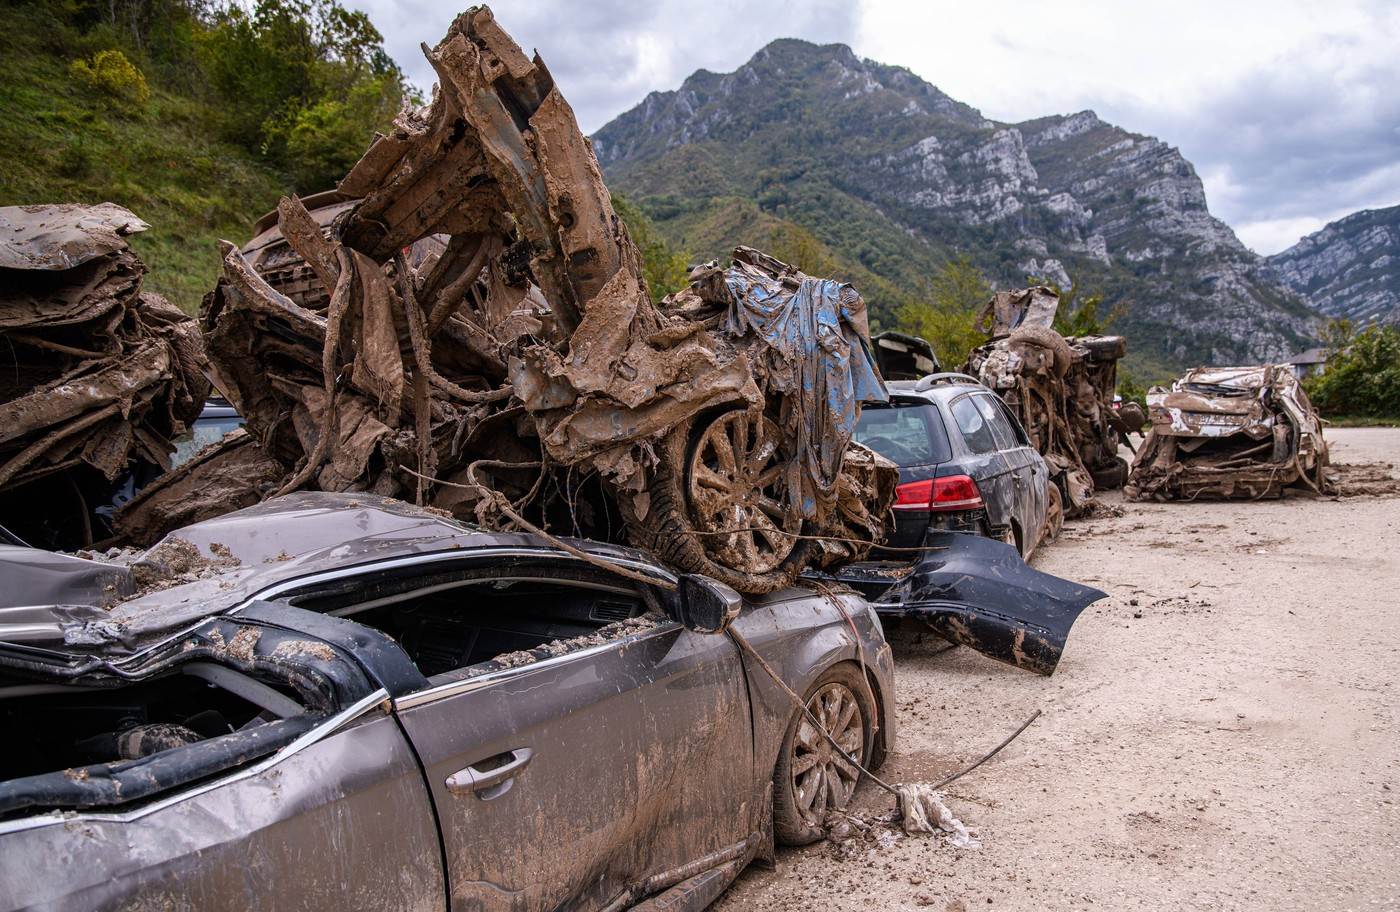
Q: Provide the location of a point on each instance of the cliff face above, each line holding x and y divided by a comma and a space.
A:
816, 136
1350, 268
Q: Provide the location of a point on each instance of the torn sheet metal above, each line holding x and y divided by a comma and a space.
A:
1245, 432
463, 323
977, 592
100, 377
1060, 388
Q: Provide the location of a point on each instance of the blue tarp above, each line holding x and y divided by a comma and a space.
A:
818, 358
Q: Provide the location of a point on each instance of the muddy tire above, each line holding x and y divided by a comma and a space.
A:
810, 779
1048, 339
681, 531
1054, 513
1112, 475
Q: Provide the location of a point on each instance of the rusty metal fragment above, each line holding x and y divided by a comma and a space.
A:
464, 324
1230, 432
1060, 388
100, 376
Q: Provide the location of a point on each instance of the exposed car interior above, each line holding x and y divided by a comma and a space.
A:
467, 620
68, 728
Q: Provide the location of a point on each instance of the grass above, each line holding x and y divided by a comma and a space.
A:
165, 163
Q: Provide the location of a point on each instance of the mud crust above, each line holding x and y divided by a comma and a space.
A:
669, 532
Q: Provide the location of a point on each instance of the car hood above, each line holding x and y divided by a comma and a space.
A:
118, 602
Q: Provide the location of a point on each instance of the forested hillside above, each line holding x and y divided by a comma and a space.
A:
194, 115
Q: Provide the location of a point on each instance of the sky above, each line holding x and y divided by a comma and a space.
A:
1290, 110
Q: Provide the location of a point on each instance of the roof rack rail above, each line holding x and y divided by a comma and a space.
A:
946, 377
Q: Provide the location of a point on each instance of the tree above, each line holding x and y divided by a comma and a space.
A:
664, 269
955, 296
1362, 379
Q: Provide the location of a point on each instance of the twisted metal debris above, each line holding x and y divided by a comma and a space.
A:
467, 308
99, 376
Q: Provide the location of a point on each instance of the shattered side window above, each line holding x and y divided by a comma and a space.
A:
908, 435
975, 429
1001, 431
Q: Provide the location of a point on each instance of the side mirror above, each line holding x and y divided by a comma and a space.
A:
706, 606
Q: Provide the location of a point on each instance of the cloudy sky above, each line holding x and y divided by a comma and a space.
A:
1290, 110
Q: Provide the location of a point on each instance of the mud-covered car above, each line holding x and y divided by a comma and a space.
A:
342, 701
1246, 432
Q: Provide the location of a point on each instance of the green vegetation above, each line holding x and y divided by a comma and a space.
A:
1361, 382
663, 268
221, 131
947, 315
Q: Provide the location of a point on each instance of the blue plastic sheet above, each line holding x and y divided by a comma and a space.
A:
819, 358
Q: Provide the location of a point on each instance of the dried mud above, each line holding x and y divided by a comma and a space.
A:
1230, 749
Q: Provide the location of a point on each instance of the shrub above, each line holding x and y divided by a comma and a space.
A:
110, 73
1363, 378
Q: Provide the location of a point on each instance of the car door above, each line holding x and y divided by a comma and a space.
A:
986, 461
340, 819
565, 783
1026, 467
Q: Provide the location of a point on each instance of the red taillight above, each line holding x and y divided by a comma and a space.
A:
956, 492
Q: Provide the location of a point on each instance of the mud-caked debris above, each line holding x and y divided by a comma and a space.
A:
463, 323
1231, 432
99, 376
1061, 389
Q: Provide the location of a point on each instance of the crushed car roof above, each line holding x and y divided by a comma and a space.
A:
92, 603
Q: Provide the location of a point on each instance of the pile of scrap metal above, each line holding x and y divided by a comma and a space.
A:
1246, 432
99, 377
463, 323
1060, 388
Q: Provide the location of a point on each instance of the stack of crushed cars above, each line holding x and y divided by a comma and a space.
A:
1061, 389
463, 324
99, 377
1230, 432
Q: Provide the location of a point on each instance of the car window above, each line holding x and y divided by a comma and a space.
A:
1013, 423
990, 408
974, 426
907, 434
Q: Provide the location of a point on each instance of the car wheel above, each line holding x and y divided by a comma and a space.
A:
811, 779
717, 504
1054, 512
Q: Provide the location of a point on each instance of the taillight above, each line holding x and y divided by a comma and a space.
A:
916, 495
955, 492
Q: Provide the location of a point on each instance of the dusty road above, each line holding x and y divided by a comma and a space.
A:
1221, 734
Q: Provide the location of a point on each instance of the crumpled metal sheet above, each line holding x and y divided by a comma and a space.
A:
1245, 432
101, 376
63, 236
464, 324
1060, 388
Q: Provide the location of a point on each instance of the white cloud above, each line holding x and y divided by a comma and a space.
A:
1288, 109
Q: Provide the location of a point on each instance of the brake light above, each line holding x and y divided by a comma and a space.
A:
955, 492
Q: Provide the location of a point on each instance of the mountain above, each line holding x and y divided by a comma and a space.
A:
889, 177
1350, 268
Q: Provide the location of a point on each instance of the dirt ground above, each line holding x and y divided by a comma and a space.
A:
1221, 733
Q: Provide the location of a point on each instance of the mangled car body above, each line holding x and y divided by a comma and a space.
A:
368, 702
464, 324
99, 377
1245, 432
1060, 388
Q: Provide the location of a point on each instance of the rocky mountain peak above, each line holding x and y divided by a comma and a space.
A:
816, 135
1349, 268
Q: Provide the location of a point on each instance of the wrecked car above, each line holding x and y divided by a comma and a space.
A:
99, 380
965, 464
380, 707
463, 323
1225, 432
1061, 389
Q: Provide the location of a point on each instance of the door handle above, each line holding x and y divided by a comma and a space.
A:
494, 781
